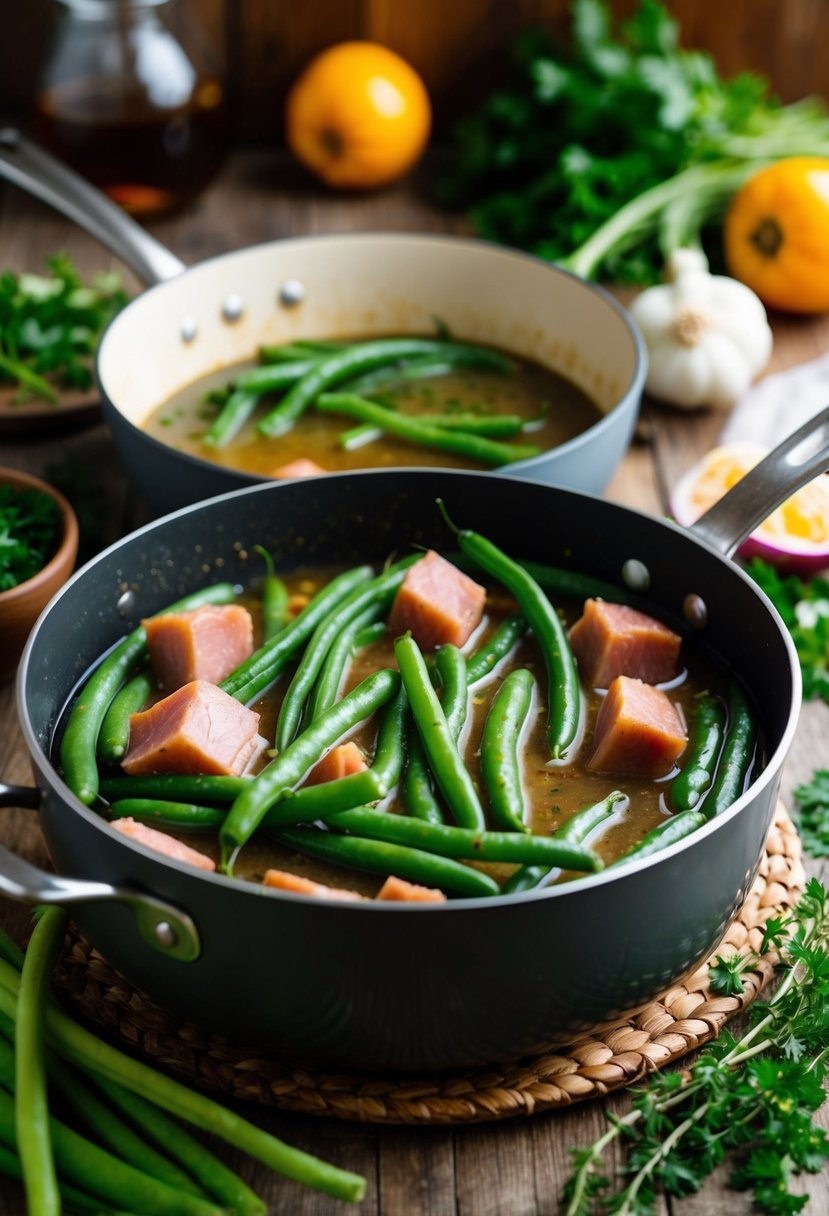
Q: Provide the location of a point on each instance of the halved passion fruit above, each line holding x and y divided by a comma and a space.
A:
795, 537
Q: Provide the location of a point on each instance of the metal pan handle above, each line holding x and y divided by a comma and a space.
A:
793, 463
38, 172
162, 926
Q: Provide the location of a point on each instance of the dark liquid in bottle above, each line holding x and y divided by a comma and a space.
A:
149, 160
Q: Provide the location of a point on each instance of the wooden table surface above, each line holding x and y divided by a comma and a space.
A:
506, 1169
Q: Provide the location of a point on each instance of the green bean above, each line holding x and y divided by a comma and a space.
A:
332, 672
180, 787
80, 738
571, 584
273, 377
429, 367
700, 759
74, 1200
345, 364
493, 426
115, 1182
418, 790
80, 1047
465, 843
312, 802
367, 635
736, 756
500, 762
322, 346
189, 815
274, 598
418, 430
575, 831
290, 766
451, 668
31, 1107
212, 1175
665, 833
266, 663
111, 1131
448, 768
490, 653
231, 418
376, 594
563, 691
379, 857
114, 739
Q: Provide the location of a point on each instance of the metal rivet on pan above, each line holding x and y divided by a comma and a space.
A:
636, 575
125, 603
291, 293
695, 611
166, 934
232, 307
189, 329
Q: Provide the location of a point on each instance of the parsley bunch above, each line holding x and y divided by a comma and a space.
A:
753, 1097
607, 152
811, 813
804, 608
50, 325
29, 530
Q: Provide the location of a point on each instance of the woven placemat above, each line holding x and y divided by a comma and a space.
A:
610, 1056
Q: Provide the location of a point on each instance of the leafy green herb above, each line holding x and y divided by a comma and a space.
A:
804, 607
609, 151
811, 813
50, 325
29, 530
750, 1100
724, 974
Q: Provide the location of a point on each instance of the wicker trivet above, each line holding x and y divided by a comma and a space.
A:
611, 1056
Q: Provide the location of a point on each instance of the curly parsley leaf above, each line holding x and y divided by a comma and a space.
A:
724, 974
50, 325
804, 607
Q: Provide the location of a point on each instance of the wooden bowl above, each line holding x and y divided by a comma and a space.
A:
20, 606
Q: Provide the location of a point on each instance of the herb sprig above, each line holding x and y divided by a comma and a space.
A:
811, 813
29, 528
609, 150
804, 608
50, 325
753, 1096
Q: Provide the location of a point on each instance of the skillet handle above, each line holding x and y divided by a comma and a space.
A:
36, 171
161, 925
792, 464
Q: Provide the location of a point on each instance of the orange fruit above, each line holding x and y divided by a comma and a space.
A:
776, 234
795, 536
358, 116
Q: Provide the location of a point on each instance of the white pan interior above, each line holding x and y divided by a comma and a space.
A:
360, 285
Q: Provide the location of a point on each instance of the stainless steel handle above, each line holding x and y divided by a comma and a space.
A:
793, 463
163, 926
38, 172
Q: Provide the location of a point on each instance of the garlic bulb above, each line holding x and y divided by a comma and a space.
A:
707, 335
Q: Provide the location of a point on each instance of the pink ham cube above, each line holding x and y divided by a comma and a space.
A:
612, 640
638, 731
204, 644
437, 603
196, 729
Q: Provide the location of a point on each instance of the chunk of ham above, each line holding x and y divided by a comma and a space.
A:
611, 640
285, 881
397, 890
437, 603
341, 761
301, 467
196, 729
206, 643
162, 843
638, 731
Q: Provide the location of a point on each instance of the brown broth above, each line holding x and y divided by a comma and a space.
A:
554, 792
555, 409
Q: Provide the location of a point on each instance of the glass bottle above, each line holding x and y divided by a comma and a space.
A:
129, 97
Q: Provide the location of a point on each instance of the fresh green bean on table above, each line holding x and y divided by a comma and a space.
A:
80, 738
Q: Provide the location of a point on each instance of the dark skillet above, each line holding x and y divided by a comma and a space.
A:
396, 986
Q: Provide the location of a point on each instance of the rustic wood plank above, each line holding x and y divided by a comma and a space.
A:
495, 1173
416, 1171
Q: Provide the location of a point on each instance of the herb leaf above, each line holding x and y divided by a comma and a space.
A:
29, 531
50, 325
811, 813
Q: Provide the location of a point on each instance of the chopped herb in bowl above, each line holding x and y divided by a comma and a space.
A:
30, 529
